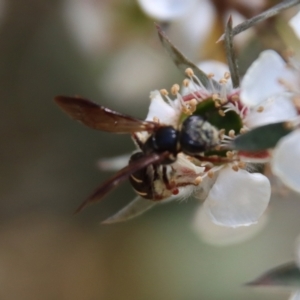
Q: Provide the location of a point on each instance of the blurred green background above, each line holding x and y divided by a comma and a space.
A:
48, 166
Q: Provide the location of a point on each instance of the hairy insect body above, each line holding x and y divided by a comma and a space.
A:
151, 171
152, 182
195, 137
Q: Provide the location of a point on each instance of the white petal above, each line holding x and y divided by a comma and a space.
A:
223, 236
295, 24
166, 10
191, 31
295, 295
285, 163
215, 67
238, 198
261, 80
275, 109
158, 108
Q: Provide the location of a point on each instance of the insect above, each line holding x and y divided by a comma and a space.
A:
147, 169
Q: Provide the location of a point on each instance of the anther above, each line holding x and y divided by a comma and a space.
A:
221, 133
198, 180
243, 130
235, 168
164, 92
241, 164
156, 119
215, 97
189, 72
223, 81
186, 82
229, 154
289, 125
175, 89
224, 101
221, 113
210, 173
260, 109
231, 133
210, 75
227, 75
235, 98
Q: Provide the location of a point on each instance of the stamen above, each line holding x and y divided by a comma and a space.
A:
221, 113
242, 111
210, 173
215, 97
230, 154
231, 133
223, 81
198, 180
156, 120
227, 75
235, 168
217, 104
235, 98
243, 130
221, 133
260, 109
241, 164
164, 92
189, 72
289, 125
186, 82
189, 107
175, 89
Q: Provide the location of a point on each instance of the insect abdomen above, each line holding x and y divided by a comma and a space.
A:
141, 181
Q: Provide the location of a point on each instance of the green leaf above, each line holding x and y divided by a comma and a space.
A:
283, 275
135, 208
261, 138
183, 63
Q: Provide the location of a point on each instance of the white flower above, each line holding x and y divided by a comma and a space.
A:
166, 10
277, 98
234, 194
264, 93
218, 235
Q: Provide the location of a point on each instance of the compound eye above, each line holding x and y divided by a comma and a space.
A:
165, 139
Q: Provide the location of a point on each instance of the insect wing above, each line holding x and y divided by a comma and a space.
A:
121, 176
135, 208
101, 118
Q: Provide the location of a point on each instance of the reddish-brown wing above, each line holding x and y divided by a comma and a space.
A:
101, 118
121, 176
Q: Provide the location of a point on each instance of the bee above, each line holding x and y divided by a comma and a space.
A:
147, 169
